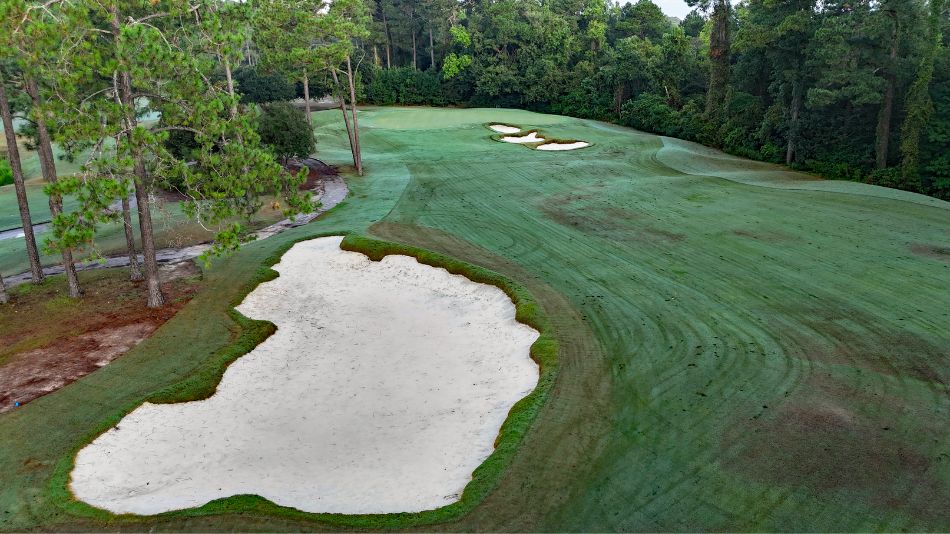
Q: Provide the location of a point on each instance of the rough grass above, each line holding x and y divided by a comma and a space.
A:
741, 347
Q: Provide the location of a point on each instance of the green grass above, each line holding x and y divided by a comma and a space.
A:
741, 347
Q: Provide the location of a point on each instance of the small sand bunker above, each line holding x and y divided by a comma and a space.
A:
530, 138
563, 146
505, 129
382, 390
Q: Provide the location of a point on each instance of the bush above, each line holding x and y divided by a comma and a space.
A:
586, 102
405, 85
834, 170
6, 173
893, 177
772, 153
258, 88
650, 113
284, 130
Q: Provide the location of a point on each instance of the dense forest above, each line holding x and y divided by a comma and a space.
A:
849, 89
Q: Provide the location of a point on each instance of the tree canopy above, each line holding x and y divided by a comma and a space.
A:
844, 89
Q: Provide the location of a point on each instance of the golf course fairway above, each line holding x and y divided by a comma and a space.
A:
740, 347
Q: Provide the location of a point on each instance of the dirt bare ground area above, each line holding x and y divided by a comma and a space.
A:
48, 340
317, 172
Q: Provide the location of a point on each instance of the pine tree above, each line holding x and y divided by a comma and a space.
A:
169, 71
919, 105
13, 153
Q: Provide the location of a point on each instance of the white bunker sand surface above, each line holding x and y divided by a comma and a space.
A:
505, 129
563, 146
530, 138
382, 390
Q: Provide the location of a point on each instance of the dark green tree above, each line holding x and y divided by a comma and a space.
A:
284, 130
256, 87
919, 104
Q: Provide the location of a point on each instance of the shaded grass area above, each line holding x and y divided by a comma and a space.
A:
740, 347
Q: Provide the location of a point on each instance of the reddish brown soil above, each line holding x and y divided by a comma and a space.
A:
315, 175
48, 340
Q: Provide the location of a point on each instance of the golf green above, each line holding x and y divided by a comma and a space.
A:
741, 347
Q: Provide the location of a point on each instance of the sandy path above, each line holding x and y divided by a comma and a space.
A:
382, 390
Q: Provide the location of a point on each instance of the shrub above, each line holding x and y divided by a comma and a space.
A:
284, 130
650, 113
586, 102
405, 85
259, 88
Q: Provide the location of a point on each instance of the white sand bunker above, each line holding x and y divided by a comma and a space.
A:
505, 129
383, 388
563, 146
530, 138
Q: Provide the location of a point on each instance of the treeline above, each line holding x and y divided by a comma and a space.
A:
855, 89
93, 75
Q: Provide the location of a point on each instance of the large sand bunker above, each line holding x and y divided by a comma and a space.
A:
563, 146
382, 390
505, 129
530, 138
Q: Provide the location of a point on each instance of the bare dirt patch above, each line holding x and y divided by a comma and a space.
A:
317, 171
820, 439
881, 349
598, 218
931, 251
48, 340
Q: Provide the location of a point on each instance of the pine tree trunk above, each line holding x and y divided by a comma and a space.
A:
135, 273
414, 64
376, 55
389, 41
306, 99
793, 123
346, 119
356, 124
36, 269
230, 80
719, 50
887, 108
155, 297
431, 50
48, 166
